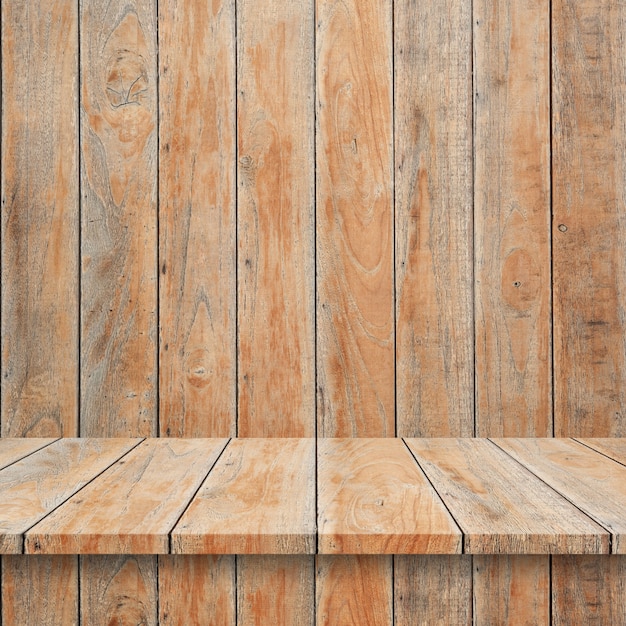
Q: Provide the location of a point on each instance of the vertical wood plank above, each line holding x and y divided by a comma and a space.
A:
118, 218
40, 590
276, 218
512, 218
589, 165
433, 218
355, 300
197, 218
40, 218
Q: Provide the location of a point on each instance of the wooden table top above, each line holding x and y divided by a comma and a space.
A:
307, 496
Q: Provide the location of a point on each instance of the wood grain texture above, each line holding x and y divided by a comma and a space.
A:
433, 218
433, 590
354, 590
118, 218
511, 590
276, 212
118, 590
589, 167
374, 499
512, 218
41, 590
38, 484
593, 483
196, 590
40, 219
588, 590
14, 449
500, 506
610, 446
355, 299
132, 507
276, 589
258, 499
197, 218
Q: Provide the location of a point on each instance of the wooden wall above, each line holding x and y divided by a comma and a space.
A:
313, 217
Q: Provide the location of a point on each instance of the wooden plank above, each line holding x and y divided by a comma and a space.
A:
512, 218
41, 590
40, 218
499, 505
511, 590
118, 590
38, 484
276, 250
354, 590
610, 446
258, 499
197, 590
588, 590
433, 218
589, 143
374, 499
275, 589
14, 449
355, 299
433, 589
595, 484
118, 218
132, 507
197, 218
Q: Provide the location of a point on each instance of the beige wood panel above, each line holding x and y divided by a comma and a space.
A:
610, 446
500, 506
196, 590
197, 218
433, 218
36, 485
589, 224
275, 218
14, 449
118, 218
40, 219
374, 499
355, 299
132, 507
258, 499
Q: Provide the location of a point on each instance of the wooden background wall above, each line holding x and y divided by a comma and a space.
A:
299, 218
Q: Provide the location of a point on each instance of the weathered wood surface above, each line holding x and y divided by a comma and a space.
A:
118, 218
14, 449
40, 219
499, 505
258, 499
611, 447
132, 507
374, 499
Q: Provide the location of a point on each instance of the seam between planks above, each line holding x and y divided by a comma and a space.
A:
582, 443
30, 454
551, 228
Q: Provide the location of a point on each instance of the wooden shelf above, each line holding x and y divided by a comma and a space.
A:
302, 496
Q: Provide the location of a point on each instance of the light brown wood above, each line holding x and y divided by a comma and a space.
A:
118, 218
14, 449
595, 484
258, 499
355, 300
433, 218
589, 167
354, 590
500, 506
196, 590
374, 499
610, 446
433, 590
132, 507
36, 485
276, 249
197, 218
512, 218
40, 219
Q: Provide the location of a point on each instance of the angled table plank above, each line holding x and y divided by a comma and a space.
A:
502, 507
609, 446
591, 481
258, 499
374, 499
132, 507
35, 486
12, 449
